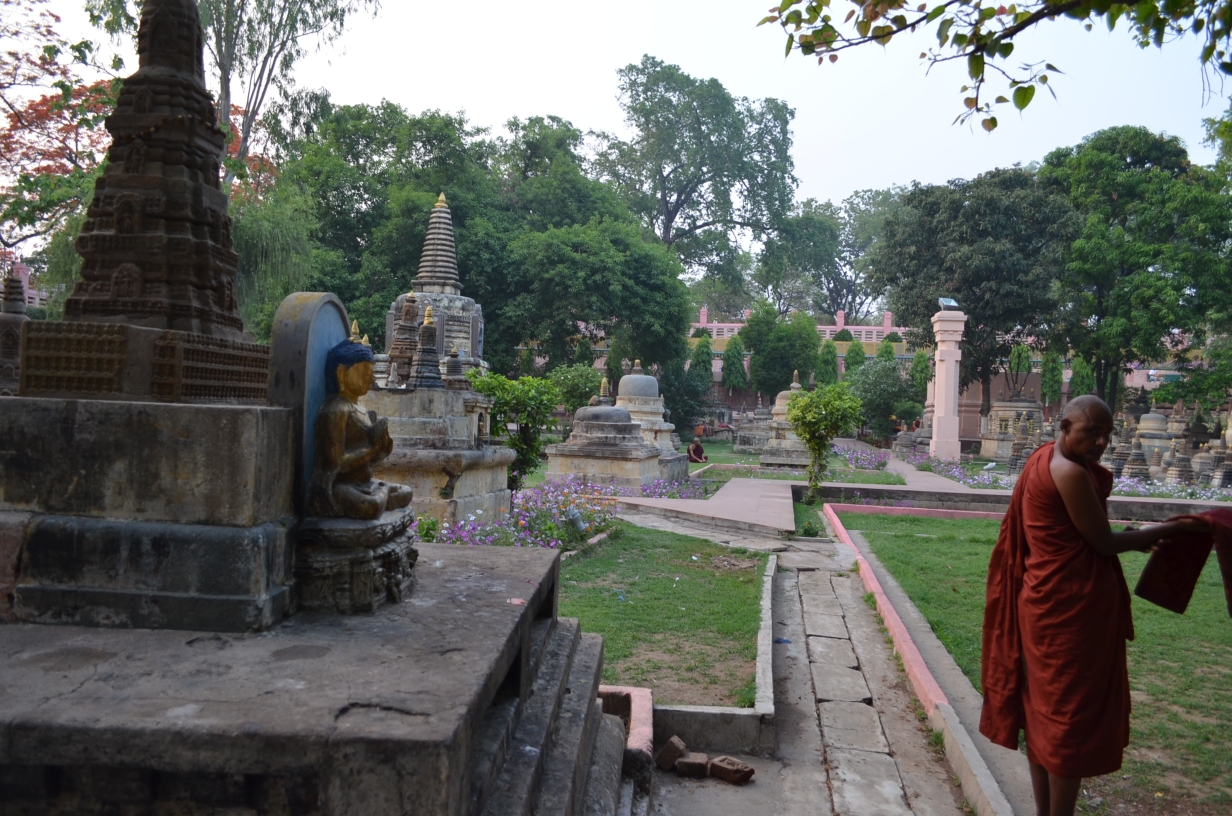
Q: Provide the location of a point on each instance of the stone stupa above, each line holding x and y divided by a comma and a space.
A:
459, 318
784, 448
605, 447
12, 316
639, 395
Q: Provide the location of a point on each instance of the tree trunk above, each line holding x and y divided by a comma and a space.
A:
985, 392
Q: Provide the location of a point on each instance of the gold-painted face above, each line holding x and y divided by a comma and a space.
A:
354, 381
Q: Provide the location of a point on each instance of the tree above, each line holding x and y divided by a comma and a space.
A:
855, 357
584, 353
734, 375
983, 36
527, 402
827, 364
683, 395
252, 43
885, 351
921, 373
52, 143
799, 260
881, 389
843, 335
894, 337
861, 218
1050, 378
1019, 366
996, 244
600, 274
701, 163
1206, 379
619, 353
818, 417
1147, 277
789, 346
576, 384
1082, 380
701, 363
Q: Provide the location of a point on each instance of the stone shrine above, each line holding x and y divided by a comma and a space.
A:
784, 448
605, 447
752, 433
639, 395
441, 427
1136, 466
459, 318
12, 316
997, 442
948, 325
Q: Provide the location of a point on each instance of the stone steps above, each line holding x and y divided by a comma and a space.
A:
517, 782
567, 763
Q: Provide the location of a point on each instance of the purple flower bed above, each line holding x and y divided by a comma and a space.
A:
954, 470
1126, 486
558, 513
862, 459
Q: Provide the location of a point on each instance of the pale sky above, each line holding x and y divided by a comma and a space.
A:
871, 120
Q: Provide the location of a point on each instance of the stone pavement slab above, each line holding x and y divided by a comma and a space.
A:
865, 784
822, 605
761, 505
825, 625
852, 725
832, 652
832, 683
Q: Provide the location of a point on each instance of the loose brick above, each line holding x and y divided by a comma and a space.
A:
693, 764
669, 753
730, 769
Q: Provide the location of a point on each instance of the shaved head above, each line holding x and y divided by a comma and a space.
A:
1089, 406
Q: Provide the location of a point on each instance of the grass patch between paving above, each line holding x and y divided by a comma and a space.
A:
1180, 667
678, 614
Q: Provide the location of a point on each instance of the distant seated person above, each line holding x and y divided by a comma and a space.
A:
696, 453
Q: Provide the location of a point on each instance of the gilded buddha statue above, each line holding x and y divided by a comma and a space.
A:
349, 441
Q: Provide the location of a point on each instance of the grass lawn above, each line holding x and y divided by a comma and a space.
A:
1180, 667
721, 452
678, 614
806, 514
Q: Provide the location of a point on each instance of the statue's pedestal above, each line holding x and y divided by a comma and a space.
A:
442, 451
352, 566
455, 701
145, 514
648, 413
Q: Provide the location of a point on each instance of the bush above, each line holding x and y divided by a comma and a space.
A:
843, 335
576, 384
528, 402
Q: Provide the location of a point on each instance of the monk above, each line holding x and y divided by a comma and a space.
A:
697, 453
1057, 616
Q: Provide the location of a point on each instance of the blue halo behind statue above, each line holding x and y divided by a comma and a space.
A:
347, 353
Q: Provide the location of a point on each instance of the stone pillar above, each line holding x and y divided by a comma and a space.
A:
948, 329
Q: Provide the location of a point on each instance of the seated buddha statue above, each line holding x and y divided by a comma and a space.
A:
349, 441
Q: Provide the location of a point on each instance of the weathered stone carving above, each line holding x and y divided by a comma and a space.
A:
12, 316
156, 243
426, 372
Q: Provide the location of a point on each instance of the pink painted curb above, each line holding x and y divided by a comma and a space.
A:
916, 511
922, 680
638, 703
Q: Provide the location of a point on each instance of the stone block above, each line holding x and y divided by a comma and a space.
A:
673, 467
821, 604
832, 652
693, 764
145, 461
103, 572
730, 769
818, 625
836, 683
866, 783
671, 751
12, 537
379, 713
852, 725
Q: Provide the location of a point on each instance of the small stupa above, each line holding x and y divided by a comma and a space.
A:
12, 315
639, 395
1136, 466
605, 447
752, 434
784, 448
1181, 472
437, 284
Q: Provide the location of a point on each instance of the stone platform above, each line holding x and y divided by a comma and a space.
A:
470, 697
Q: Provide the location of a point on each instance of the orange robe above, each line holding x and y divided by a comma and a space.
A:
1056, 622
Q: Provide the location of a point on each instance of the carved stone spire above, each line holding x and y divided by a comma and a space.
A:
406, 341
156, 243
14, 301
426, 372
438, 265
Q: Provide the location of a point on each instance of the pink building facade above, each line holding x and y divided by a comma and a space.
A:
868, 334
34, 297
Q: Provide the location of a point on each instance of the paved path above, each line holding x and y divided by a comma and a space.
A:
761, 506
916, 479
849, 742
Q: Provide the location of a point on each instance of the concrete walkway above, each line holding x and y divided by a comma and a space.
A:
849, 742
760, 506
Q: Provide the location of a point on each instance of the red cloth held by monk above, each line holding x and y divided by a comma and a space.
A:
1172, 572
1056, 622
